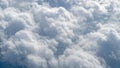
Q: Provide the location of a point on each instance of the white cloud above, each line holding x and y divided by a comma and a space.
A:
59, 34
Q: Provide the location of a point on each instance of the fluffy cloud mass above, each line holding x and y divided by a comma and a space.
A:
59, 33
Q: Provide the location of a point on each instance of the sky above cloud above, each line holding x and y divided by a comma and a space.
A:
59, 33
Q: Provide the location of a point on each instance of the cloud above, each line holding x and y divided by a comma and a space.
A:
59, 34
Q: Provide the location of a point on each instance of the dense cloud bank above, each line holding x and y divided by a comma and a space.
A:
59, 33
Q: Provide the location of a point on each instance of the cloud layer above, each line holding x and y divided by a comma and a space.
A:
59, 33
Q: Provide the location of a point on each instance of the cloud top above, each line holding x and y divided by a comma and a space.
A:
59, 34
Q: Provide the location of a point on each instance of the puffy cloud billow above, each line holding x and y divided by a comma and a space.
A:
59, 33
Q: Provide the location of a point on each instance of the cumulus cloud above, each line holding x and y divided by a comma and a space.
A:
59, 34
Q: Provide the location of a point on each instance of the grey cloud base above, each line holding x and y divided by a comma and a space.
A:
59, 34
